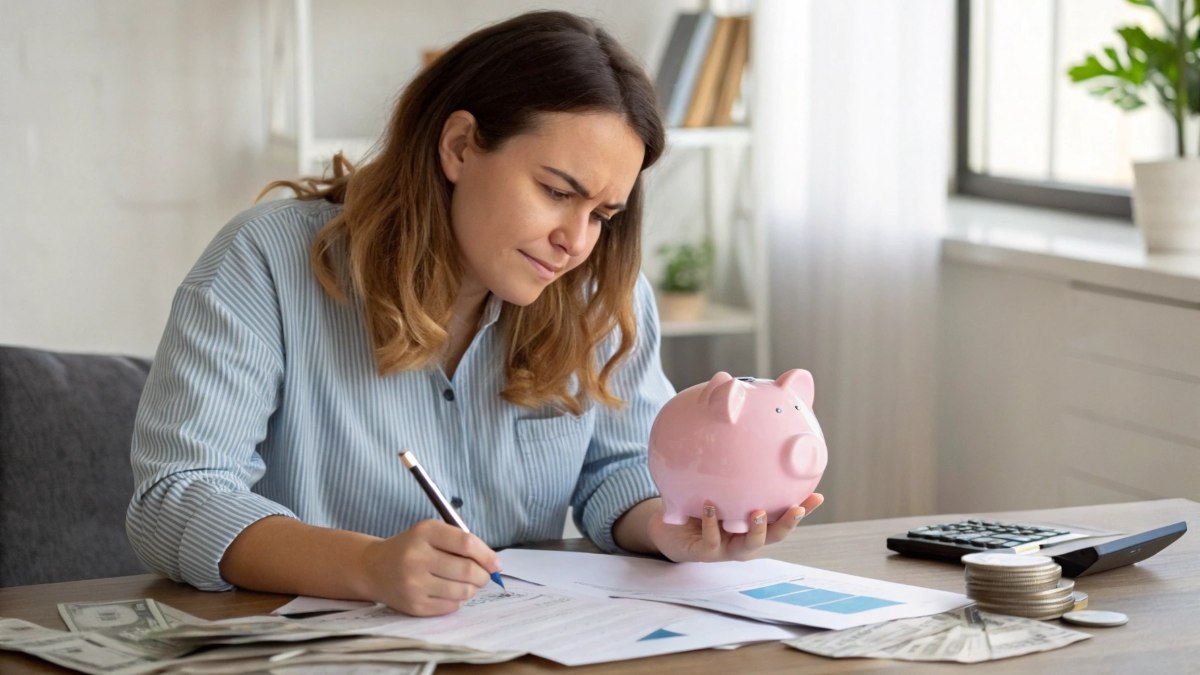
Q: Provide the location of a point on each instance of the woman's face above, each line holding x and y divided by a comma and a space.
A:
529, 211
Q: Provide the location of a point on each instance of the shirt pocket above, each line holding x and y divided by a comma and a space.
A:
552, 452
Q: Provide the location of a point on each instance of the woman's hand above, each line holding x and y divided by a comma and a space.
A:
702, 539
428, 570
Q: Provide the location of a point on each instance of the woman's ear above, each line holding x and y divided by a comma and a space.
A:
458, 134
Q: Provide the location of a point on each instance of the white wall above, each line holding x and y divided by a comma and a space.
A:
132, 130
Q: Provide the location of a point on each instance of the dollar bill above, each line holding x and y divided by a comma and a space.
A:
965, 636
112, 617
76, 651
125, 624
356, 669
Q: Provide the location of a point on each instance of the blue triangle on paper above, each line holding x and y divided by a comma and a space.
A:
660, 634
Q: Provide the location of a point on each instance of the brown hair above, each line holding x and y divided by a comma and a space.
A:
400, 256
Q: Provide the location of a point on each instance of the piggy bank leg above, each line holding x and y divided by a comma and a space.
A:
673, 514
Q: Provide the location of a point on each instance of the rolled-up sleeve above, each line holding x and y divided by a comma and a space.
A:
615, 473
206, 407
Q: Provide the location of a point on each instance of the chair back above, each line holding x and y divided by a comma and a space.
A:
66, 421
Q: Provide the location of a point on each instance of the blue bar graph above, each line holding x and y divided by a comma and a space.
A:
817, 598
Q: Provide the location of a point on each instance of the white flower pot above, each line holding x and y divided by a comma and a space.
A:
1166, 203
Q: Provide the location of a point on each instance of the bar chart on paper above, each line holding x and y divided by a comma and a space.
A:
764, 589
817, 598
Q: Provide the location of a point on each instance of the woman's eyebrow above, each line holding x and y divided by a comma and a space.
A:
579, 188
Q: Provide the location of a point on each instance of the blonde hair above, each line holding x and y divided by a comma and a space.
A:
392, 244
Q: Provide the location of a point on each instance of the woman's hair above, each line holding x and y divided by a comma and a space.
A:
393, 246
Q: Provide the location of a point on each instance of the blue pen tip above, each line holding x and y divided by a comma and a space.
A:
496, 578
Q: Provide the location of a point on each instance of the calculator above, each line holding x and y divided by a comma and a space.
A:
951, 541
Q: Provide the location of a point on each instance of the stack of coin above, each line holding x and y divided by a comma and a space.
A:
1030, 586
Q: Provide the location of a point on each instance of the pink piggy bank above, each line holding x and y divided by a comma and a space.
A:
742, 443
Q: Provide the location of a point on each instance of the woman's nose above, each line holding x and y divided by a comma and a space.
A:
572, 235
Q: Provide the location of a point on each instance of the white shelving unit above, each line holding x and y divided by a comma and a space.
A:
737, 305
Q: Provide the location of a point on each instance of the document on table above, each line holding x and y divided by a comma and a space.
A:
764, 589
568, 628
558, 625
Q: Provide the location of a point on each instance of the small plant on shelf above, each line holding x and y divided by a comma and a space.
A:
684, 279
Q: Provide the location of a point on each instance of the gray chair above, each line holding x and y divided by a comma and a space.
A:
65, 426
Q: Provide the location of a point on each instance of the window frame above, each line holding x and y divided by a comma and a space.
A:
1089, 199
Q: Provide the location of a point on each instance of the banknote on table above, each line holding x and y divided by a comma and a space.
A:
123, 638
77, 651
965, 635
125, 624
356, 669
263, 656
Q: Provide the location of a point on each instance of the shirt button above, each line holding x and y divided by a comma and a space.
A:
456, 502
448, 394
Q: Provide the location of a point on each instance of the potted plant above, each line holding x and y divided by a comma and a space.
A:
1166, 194
681, 288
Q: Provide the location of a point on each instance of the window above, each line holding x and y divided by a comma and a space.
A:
1026, 133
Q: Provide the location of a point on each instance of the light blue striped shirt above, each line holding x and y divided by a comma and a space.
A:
264, 400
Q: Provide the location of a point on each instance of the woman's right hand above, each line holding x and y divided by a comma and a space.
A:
428, 570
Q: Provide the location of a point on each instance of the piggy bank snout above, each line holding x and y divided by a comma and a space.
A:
805, 456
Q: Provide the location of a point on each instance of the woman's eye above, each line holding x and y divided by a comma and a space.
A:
604, 222
557, 195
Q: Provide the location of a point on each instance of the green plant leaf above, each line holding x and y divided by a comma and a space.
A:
687, 265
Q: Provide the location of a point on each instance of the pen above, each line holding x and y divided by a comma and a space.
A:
439, 501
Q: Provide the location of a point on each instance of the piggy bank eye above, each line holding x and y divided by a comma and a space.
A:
797, 407
779, 410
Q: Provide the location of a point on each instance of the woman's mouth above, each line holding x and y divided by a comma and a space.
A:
542, 269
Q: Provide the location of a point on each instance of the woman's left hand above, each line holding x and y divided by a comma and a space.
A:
703, 539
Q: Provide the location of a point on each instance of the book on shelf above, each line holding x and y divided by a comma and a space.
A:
704, 98
680, 64
700, 74
735, 66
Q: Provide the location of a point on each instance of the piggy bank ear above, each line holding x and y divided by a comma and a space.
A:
724, 397
800, 383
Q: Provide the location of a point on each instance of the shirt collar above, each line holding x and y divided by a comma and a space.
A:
491, 311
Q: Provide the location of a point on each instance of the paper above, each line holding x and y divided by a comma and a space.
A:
308, 605
765, 590
965, 636
561, 626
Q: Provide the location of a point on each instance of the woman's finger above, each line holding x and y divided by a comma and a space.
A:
757, 536
781, 528
710, 529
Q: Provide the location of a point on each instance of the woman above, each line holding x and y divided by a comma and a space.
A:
471, 294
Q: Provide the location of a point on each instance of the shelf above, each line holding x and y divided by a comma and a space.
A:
704, 137
718, 319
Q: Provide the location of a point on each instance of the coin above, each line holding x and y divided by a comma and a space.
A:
1095, 617
1081, 600
1008, 560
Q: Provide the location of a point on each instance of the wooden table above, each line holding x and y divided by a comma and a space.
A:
1161, 596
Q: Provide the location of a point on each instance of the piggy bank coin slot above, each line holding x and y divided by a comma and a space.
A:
745, 379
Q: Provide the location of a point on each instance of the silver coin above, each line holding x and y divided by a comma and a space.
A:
1008, 560
1095, 617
